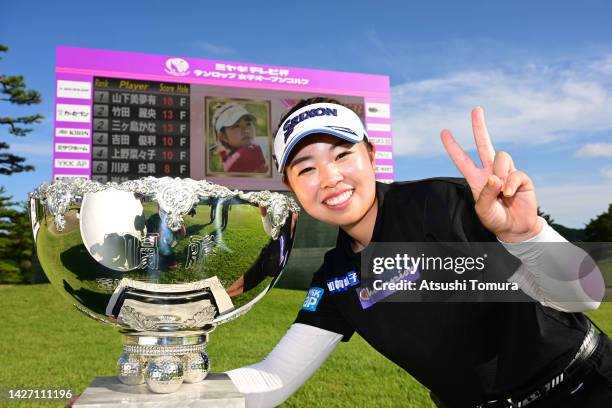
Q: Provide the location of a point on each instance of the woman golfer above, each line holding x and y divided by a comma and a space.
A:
537, 354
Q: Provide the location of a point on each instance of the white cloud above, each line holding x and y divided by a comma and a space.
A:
32, 149
595, 150
606, 172
530, 104
213, 48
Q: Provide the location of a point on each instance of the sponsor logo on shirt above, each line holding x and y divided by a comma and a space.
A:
313, 298
343, 283
369, 296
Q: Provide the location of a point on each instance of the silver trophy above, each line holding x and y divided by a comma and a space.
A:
163, 260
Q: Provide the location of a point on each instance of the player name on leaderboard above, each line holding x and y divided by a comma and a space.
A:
140, 128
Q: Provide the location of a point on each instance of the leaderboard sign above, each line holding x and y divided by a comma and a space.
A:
121, 116
139, 128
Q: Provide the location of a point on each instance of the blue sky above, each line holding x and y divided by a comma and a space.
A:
541, 70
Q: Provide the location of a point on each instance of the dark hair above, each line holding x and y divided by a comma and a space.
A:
311, 101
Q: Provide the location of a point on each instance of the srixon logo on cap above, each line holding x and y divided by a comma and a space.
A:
291, 123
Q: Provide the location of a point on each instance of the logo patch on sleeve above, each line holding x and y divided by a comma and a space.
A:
312, 299
343, 283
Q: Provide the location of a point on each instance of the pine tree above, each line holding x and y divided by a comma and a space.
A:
15, 230
15, 241
13, 90
547, 217
599, 229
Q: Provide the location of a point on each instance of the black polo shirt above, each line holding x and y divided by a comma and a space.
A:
465, 353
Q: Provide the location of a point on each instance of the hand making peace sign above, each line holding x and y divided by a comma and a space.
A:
511, 215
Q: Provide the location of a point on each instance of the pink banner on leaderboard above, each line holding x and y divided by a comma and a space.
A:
383, 155
384, 162
72, 125
378, 124
380, 142
378, 118
385, 177
382, 147
121, 115
383, 170
215, 72
378, 112
378, 128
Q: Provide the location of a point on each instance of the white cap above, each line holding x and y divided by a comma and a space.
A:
329, 118
229, 114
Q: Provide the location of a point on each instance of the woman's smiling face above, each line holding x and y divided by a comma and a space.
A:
241, 134
333, 179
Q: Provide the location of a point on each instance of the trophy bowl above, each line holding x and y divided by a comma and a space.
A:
163, 260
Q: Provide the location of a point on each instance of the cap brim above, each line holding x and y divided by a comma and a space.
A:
298, 138
249, 114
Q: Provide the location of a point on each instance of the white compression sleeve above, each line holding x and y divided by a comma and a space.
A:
294, 359
565, 278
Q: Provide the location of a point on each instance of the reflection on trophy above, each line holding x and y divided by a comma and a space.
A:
163, 260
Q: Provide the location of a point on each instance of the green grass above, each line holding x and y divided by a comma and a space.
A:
46, 343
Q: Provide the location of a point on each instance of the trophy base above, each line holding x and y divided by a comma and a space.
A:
217, 390
163, 361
